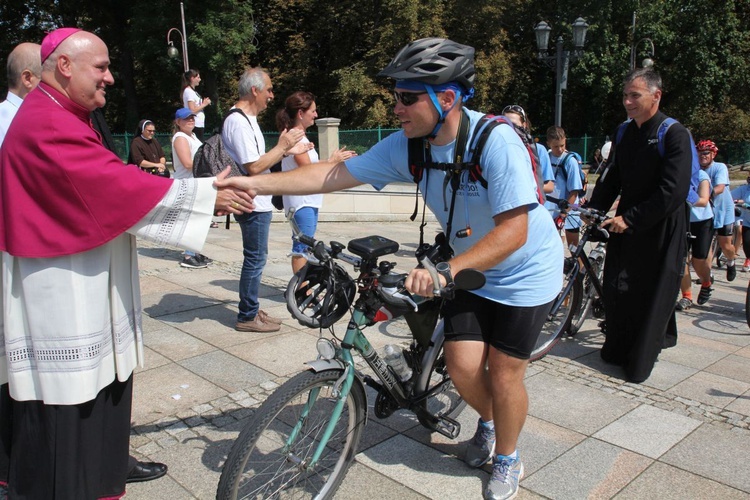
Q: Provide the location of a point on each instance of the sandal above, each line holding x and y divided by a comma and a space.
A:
214, 225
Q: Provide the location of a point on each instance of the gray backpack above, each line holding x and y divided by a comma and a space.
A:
212, 158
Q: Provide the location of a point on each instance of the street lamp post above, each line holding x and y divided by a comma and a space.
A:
172, 50
648, 61
561, 59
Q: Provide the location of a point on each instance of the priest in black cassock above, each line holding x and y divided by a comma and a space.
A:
647, 249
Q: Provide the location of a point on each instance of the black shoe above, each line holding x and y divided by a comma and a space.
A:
146, 471
203, 259
704, 295
192, 262
731, 272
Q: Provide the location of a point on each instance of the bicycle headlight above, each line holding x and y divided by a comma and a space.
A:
326, 349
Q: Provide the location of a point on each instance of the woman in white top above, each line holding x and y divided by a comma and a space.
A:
184, 145
300, 112
193, 101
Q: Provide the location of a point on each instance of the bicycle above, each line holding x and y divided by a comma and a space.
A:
581, 292
302, 439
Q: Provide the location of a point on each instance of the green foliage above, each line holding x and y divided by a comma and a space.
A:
336, 49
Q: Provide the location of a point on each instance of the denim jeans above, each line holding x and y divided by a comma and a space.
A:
307, 220
255, 227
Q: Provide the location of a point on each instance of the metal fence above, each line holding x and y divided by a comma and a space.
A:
732, 153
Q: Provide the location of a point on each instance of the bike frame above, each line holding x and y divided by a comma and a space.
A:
578, 256
356, 339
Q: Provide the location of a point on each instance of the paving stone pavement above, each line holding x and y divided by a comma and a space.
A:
684, 433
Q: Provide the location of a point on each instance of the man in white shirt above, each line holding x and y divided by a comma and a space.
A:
245, 144
24, 72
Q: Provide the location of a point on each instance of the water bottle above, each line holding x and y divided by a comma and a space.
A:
394, 357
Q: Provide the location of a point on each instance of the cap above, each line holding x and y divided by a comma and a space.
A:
183, 113
54, 39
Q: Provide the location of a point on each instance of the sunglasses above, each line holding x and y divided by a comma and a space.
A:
515, 108
704, 153
407, 98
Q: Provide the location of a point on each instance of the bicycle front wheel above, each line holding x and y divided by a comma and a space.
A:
747, 304
271, 457
566, 304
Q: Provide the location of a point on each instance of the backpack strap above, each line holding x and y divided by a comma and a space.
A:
420, 159
662, 132
562, 162
481, 135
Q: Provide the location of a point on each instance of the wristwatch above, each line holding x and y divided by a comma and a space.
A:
444, 269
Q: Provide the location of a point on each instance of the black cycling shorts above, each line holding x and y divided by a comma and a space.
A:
727, 230
511, 329
700, 243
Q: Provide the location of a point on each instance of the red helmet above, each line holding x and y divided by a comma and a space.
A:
707, 145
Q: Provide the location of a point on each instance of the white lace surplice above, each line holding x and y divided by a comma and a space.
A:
71, 324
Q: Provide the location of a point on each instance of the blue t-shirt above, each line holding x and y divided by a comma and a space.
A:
530, 276
743, 193
564, 185
547, 173
698, 214
723, 203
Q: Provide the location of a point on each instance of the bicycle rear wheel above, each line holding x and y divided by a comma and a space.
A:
266, 462
558, 321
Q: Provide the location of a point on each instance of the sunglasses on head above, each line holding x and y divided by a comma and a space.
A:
407, 98
515, 108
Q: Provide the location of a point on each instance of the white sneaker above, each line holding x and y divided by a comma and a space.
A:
506, 474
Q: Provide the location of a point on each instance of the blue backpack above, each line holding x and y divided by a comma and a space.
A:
563, 161
692, 196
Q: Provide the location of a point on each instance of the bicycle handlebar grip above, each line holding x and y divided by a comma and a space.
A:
562, 204
319, 248
307, 240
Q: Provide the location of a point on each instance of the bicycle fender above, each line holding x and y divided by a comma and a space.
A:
321, 365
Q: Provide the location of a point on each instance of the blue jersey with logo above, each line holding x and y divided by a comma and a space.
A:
530, 276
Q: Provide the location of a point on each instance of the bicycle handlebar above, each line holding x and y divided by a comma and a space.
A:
596, 215
324, 253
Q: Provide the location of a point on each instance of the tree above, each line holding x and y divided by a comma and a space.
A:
336, 49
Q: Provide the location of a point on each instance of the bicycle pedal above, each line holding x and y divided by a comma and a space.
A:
448, 427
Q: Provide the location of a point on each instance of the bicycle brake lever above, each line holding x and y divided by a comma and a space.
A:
407, 299
427, 263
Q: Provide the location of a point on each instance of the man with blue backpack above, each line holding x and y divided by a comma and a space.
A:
647, 248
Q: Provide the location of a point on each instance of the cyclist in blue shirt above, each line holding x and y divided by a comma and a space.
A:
701, 232
568, 184
490, 332
723, 203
